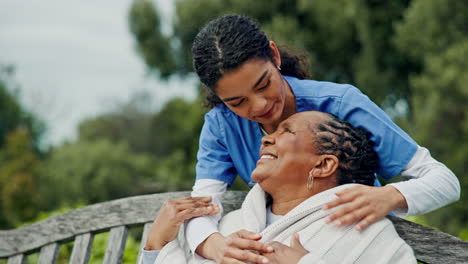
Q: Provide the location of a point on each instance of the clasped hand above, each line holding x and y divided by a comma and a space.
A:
243, 246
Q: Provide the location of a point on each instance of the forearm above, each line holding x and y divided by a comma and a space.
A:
432, 185
199, 229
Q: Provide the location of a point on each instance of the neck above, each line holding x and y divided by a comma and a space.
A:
283, 202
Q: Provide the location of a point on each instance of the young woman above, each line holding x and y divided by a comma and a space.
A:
253, 86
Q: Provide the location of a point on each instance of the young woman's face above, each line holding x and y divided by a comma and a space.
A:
256, 91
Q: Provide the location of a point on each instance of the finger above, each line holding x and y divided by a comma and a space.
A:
350, 207
195, 212
354, 216
181, 207
188, 200
368, 220
343, 197
334, 217
246, 256
296, 242
248, 244
231, 261
248, 235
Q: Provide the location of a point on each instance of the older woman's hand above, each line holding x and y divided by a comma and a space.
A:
365, 204
283, 254
172, 214
237, 248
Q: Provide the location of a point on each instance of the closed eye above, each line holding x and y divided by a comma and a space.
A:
265, 86
287, 130
237, 104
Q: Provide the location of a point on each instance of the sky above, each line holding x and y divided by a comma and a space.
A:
75, 59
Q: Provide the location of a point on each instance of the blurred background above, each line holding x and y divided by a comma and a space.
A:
98, 100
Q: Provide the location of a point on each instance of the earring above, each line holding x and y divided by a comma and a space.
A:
310, 182
279, 68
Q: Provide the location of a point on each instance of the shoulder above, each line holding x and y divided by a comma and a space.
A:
220, 111
313, 88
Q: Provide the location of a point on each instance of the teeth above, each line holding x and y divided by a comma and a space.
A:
266, 156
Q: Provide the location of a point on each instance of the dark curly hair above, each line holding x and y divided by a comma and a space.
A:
225, 43
357, 159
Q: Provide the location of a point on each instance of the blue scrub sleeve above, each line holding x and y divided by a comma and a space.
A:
394, 147
214, 160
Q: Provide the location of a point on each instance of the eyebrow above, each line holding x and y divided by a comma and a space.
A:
255, 85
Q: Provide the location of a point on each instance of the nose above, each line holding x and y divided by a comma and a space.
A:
268, 140
258, 105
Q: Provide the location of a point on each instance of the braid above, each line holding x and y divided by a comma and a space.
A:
354, 150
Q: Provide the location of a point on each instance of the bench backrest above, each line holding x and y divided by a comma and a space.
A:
80, 226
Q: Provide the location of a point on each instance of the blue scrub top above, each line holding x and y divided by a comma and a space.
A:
229, 144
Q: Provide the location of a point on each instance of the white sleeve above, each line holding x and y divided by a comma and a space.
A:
431, 185
199, 228
148, 256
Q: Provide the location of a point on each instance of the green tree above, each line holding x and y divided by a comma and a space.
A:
20, 132
354, 47
434, 35
12, 114
170, 136
95, 171
18, 179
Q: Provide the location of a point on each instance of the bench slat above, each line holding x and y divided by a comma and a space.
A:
49, 253
94, 218
82, 249
17, 259
116, 245
146, 230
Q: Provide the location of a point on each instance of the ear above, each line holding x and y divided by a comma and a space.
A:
325, 166
276, 56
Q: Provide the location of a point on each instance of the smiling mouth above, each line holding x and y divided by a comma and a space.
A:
269, 113
268, 157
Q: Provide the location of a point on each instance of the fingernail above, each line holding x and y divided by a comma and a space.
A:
327, 220
265, 260
359, 228
337, 222
325, 207
270, 249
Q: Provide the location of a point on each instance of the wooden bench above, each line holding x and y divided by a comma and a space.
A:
80, 226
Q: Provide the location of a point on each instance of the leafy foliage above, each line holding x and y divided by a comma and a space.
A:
19, 155
435, 35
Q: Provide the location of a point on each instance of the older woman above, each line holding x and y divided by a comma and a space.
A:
310, 157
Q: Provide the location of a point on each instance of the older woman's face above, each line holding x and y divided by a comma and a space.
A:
287, 155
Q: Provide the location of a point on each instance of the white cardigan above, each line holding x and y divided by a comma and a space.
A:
326, 243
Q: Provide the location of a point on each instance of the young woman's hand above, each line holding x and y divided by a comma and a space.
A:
237, 248
365, 204
172, 214
283, 254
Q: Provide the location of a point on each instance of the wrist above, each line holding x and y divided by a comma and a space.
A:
154, 245
399, 201
207, 248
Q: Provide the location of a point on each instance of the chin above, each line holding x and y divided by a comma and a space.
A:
256, 176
